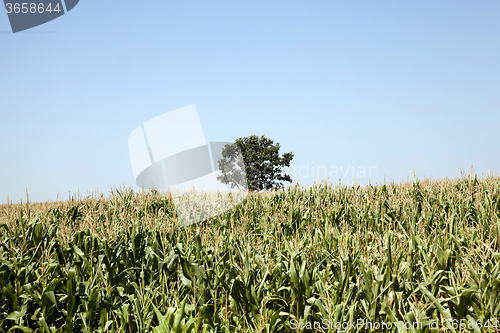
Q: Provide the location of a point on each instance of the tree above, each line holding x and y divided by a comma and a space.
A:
255, 159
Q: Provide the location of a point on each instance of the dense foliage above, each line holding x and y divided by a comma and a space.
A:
255, 163
422, 252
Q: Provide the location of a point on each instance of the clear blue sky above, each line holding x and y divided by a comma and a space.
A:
392, 84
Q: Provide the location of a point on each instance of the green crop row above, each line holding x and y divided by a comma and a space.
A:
425, 254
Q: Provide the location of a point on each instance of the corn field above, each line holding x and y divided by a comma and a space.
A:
422, 256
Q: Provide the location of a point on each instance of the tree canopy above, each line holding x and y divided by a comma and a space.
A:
254, 163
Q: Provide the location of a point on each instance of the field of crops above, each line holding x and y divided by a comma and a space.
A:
422, 256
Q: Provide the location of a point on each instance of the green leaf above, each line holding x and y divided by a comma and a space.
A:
15, 315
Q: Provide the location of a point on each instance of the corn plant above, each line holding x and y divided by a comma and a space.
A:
297, 259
